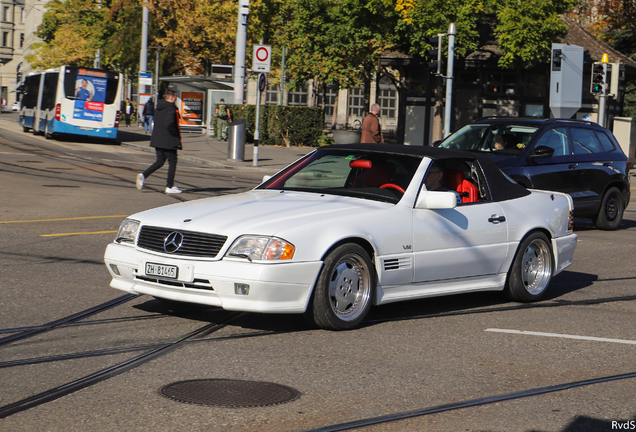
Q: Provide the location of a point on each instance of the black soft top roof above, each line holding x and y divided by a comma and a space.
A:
501, 188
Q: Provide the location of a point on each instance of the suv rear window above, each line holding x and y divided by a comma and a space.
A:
585, 141
606, 143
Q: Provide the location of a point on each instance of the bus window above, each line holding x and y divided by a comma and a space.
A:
92, 85
49, 91
31, 89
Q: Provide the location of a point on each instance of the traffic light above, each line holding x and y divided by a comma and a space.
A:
599, 78
436, 53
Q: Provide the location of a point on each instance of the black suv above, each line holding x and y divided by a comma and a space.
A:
573, 156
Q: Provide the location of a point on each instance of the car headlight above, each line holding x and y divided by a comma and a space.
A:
127, 231
262, 248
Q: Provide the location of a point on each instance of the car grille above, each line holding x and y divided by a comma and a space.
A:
194, 244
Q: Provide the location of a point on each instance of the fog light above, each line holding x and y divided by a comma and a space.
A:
241, 289
114, 269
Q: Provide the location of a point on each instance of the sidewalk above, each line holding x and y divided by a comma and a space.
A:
197, 147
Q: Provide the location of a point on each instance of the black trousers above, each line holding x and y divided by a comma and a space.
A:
162, 155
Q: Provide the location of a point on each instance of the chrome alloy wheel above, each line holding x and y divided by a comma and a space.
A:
536, 267
349, 288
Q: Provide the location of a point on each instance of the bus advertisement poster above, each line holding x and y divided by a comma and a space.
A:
90, 95
191, 108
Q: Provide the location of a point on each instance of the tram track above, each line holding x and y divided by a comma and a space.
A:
109, 372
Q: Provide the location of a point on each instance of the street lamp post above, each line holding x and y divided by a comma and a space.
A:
158, 48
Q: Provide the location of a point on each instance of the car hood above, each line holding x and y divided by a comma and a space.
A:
265, 212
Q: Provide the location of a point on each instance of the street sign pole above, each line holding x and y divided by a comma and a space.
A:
262, 85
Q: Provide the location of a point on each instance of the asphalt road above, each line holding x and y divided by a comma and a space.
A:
461, 363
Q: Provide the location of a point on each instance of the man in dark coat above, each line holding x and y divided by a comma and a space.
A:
166, 139
148, 113
371, 130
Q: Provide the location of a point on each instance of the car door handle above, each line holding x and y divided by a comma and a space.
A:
572, 166
494, 218
607, 164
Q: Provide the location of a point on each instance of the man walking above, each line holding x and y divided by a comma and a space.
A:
223, 115
371, 130
166, 139
128, 111
148, 113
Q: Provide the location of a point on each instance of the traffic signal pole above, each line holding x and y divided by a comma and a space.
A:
603, 96
449, 79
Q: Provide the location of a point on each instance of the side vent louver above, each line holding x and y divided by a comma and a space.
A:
397, 263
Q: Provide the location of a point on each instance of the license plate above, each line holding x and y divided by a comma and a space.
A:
86, 128
165, 271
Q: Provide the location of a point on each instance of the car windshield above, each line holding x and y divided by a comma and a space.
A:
505, 139
355, 173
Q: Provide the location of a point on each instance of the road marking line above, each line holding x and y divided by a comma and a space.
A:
77, 233
64, 219
563, 336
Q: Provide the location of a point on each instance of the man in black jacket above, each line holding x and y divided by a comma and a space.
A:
148, 113
166, 139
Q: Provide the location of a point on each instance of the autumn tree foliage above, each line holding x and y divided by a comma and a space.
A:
331, 41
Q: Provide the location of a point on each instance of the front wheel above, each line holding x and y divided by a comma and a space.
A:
531, 269
345, 289
610, 214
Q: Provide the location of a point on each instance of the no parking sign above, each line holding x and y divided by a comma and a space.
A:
262, 58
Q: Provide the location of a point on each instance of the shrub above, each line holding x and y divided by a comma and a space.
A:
282, 125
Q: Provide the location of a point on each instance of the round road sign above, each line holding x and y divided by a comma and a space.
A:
262, 54
262, 82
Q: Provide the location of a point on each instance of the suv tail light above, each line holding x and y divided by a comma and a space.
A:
58, 110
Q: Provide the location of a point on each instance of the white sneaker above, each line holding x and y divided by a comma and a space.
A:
140, 181
173, 190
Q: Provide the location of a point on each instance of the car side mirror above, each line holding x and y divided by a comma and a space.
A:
436, 143
436, 200
541, 152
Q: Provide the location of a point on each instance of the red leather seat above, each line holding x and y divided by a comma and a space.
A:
372, 175
455, 180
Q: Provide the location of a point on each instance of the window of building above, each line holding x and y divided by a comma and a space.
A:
6, 14
534, 110
5, 39
387, 100
21, 40
329, 96
21, 15
298, 97
501, 84
356, 102
272, 94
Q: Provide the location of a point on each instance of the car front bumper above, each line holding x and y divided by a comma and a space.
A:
273, 287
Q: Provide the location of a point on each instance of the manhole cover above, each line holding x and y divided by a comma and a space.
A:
229, 393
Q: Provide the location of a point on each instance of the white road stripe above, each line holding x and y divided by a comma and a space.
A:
563, 336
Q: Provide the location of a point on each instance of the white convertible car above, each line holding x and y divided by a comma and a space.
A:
348, 227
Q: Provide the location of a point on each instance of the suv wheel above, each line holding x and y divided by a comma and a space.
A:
610, 214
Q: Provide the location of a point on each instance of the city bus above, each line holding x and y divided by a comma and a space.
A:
72, 100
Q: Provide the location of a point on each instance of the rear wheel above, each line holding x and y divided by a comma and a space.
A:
531, 269
345, 289
610, 214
